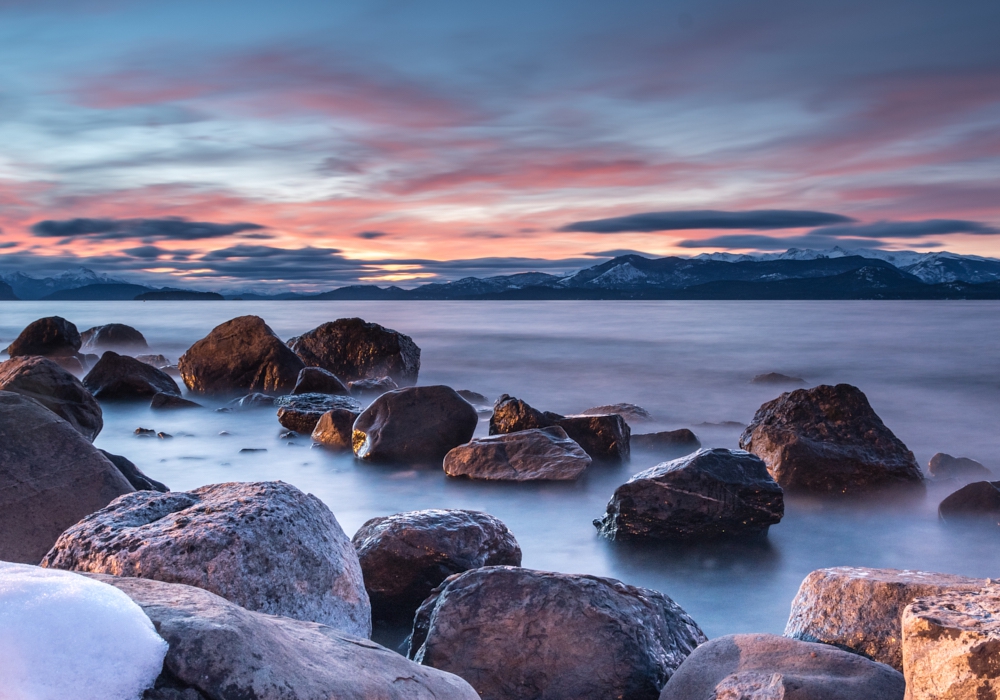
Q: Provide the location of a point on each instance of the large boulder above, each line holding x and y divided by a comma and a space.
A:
50, 478
240, 356
709, 494
301, 412
59, 391
406, 555
769, 667
519, 633
113, 336
539, 454
859, 609
413, 424
316, 380
335, 428
221, 651
265, 546
975, 502
122, 378
53, 336
828, 440
353, 349
951, 646
944, 466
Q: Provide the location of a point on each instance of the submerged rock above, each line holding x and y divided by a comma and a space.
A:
316, 380
712, 493
158, 361
372, 387
336, 428
828, 440
665, 440
59, 391
250, 401
406, 555
527, 455
265, 546
302, 412
520, 633
978, 501
164, 402
121, 378
134, 476
53, 336
629, 411
474, 397
777, 378
113, 336
943, 466
353, 349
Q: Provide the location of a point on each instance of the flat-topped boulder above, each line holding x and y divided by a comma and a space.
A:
520, 633
860, 609
407, 555
769, 667
629, 411
829, 440
975, 502
43, 380
335, 428
354, 349
53, 336
539, 454
709, 494
113, 336
417, 424
242, 355
134, 475
302, 412
50, 478
122, 378
666, 440
265, 546
944, 466
316, 380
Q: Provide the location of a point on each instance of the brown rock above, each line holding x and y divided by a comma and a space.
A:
158, 361
335, 428
629, 411
944, 466
166, 402
113, 336
665, 440
372, 387
122, 378
978, 501
353, 349
777, 378
316, 380
59, 391
52, 336
302, 412
540, 454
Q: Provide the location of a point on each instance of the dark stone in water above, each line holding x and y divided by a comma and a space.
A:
144, 432
474, 397
776, 378
43, 380
629, 411
943, 466
121, 378
372, 387
53, 336
255, 400
302, 412
158, 361
666, 440
113, 336
336, 428
139, 481
163, 401
353, 349
539, 454
254, 449
316, 380
164, 436
979, 500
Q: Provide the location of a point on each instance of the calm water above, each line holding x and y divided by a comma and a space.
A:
930, 369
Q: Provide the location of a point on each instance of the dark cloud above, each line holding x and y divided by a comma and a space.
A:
371, 235
762, 219
908, 229
8, 244
760, 242
149, 252
148, 230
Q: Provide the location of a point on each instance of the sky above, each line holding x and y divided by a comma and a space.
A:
307, 145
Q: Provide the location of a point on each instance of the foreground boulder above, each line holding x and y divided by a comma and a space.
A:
240, 356
519, 633
950, 646
978, 501
353, 349
132, 474
122, 378
113, 336
221, 651
668, 440
316, 380
53, 336
59, 391
335, 428
406, 555
302, 412
414, 424
768, 667
860, 609
828, 440
265, 546
943, 466
541, 454
50, 478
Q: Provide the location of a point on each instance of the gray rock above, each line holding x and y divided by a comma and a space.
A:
372, 387
168, 402
666, 440
121, 378
777, 378
474, 397
518, 633
302, 412
943, 466
59, 391
113, 336
768, 667
709, 494
266, 546
975, 502
158, 361
540, 454
353, 349
335, 428
316, 380
629, 411
134, 476
53, 336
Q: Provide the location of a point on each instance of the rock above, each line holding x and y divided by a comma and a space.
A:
406, 555
709, 494
302, 412
776, 378
978, 501
71, 363
353, 349
241, 355
53, 336
666, 440
50, 477
511, 415
143, 432
158, 361
859, 609
944, 466
527, 455
113, 336
335, 428
519, 633
122, 378
828, 440
951, 643
254, 400
59, 391
163, 401
265, 546
474, 397
414, 424
316, 380
164, 436
89, 359
769, 667
629, 411
219, 650
132, 474
372, 387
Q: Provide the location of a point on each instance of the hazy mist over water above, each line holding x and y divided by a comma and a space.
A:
930, 369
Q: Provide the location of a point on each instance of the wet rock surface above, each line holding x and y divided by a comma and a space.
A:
134, 476
265, 546
164, 402
121, 378
629, 411
709, 494
829, 440
316, 380
768, 667
50, 478
944, 466
59, 391
113, 336
511, 414
353, 349
240, 355
302, 412
414, 424
335, 428
860, 610
975, 502
52, 336
541, 454
406, 555
520, 633
665, 440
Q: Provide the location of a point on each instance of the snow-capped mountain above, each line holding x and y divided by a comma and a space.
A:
27, 287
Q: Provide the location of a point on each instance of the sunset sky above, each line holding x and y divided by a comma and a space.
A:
307, 145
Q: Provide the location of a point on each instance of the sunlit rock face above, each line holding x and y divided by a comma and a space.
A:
59, 391
353, 349
335, 428
540, 454
302, 412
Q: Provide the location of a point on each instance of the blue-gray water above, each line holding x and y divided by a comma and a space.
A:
930, 369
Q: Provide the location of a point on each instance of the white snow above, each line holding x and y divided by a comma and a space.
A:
67, 637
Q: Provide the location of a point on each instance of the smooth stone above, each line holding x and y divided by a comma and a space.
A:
629, 411
43, 380
251, 401
474, 397
336, 428
163, 401
134, 476
541, 454
74, 364
316, 380
113, 336
353, 349
122, 378
944, 466
665, 440
302, 412
372, 387
777, 378
978, 501
51, 336
158, 361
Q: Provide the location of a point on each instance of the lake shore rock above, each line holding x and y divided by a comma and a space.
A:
665, 440
944, 466
43, 380
407, 555
335, 428
540, 454
132, 474
629, 411
316, 380
372, 387
252, 401
52, 336
709, 494
777, 378
978, 501
302, 412
113, 336
122, 378
163, 401
354, 349
265, 546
